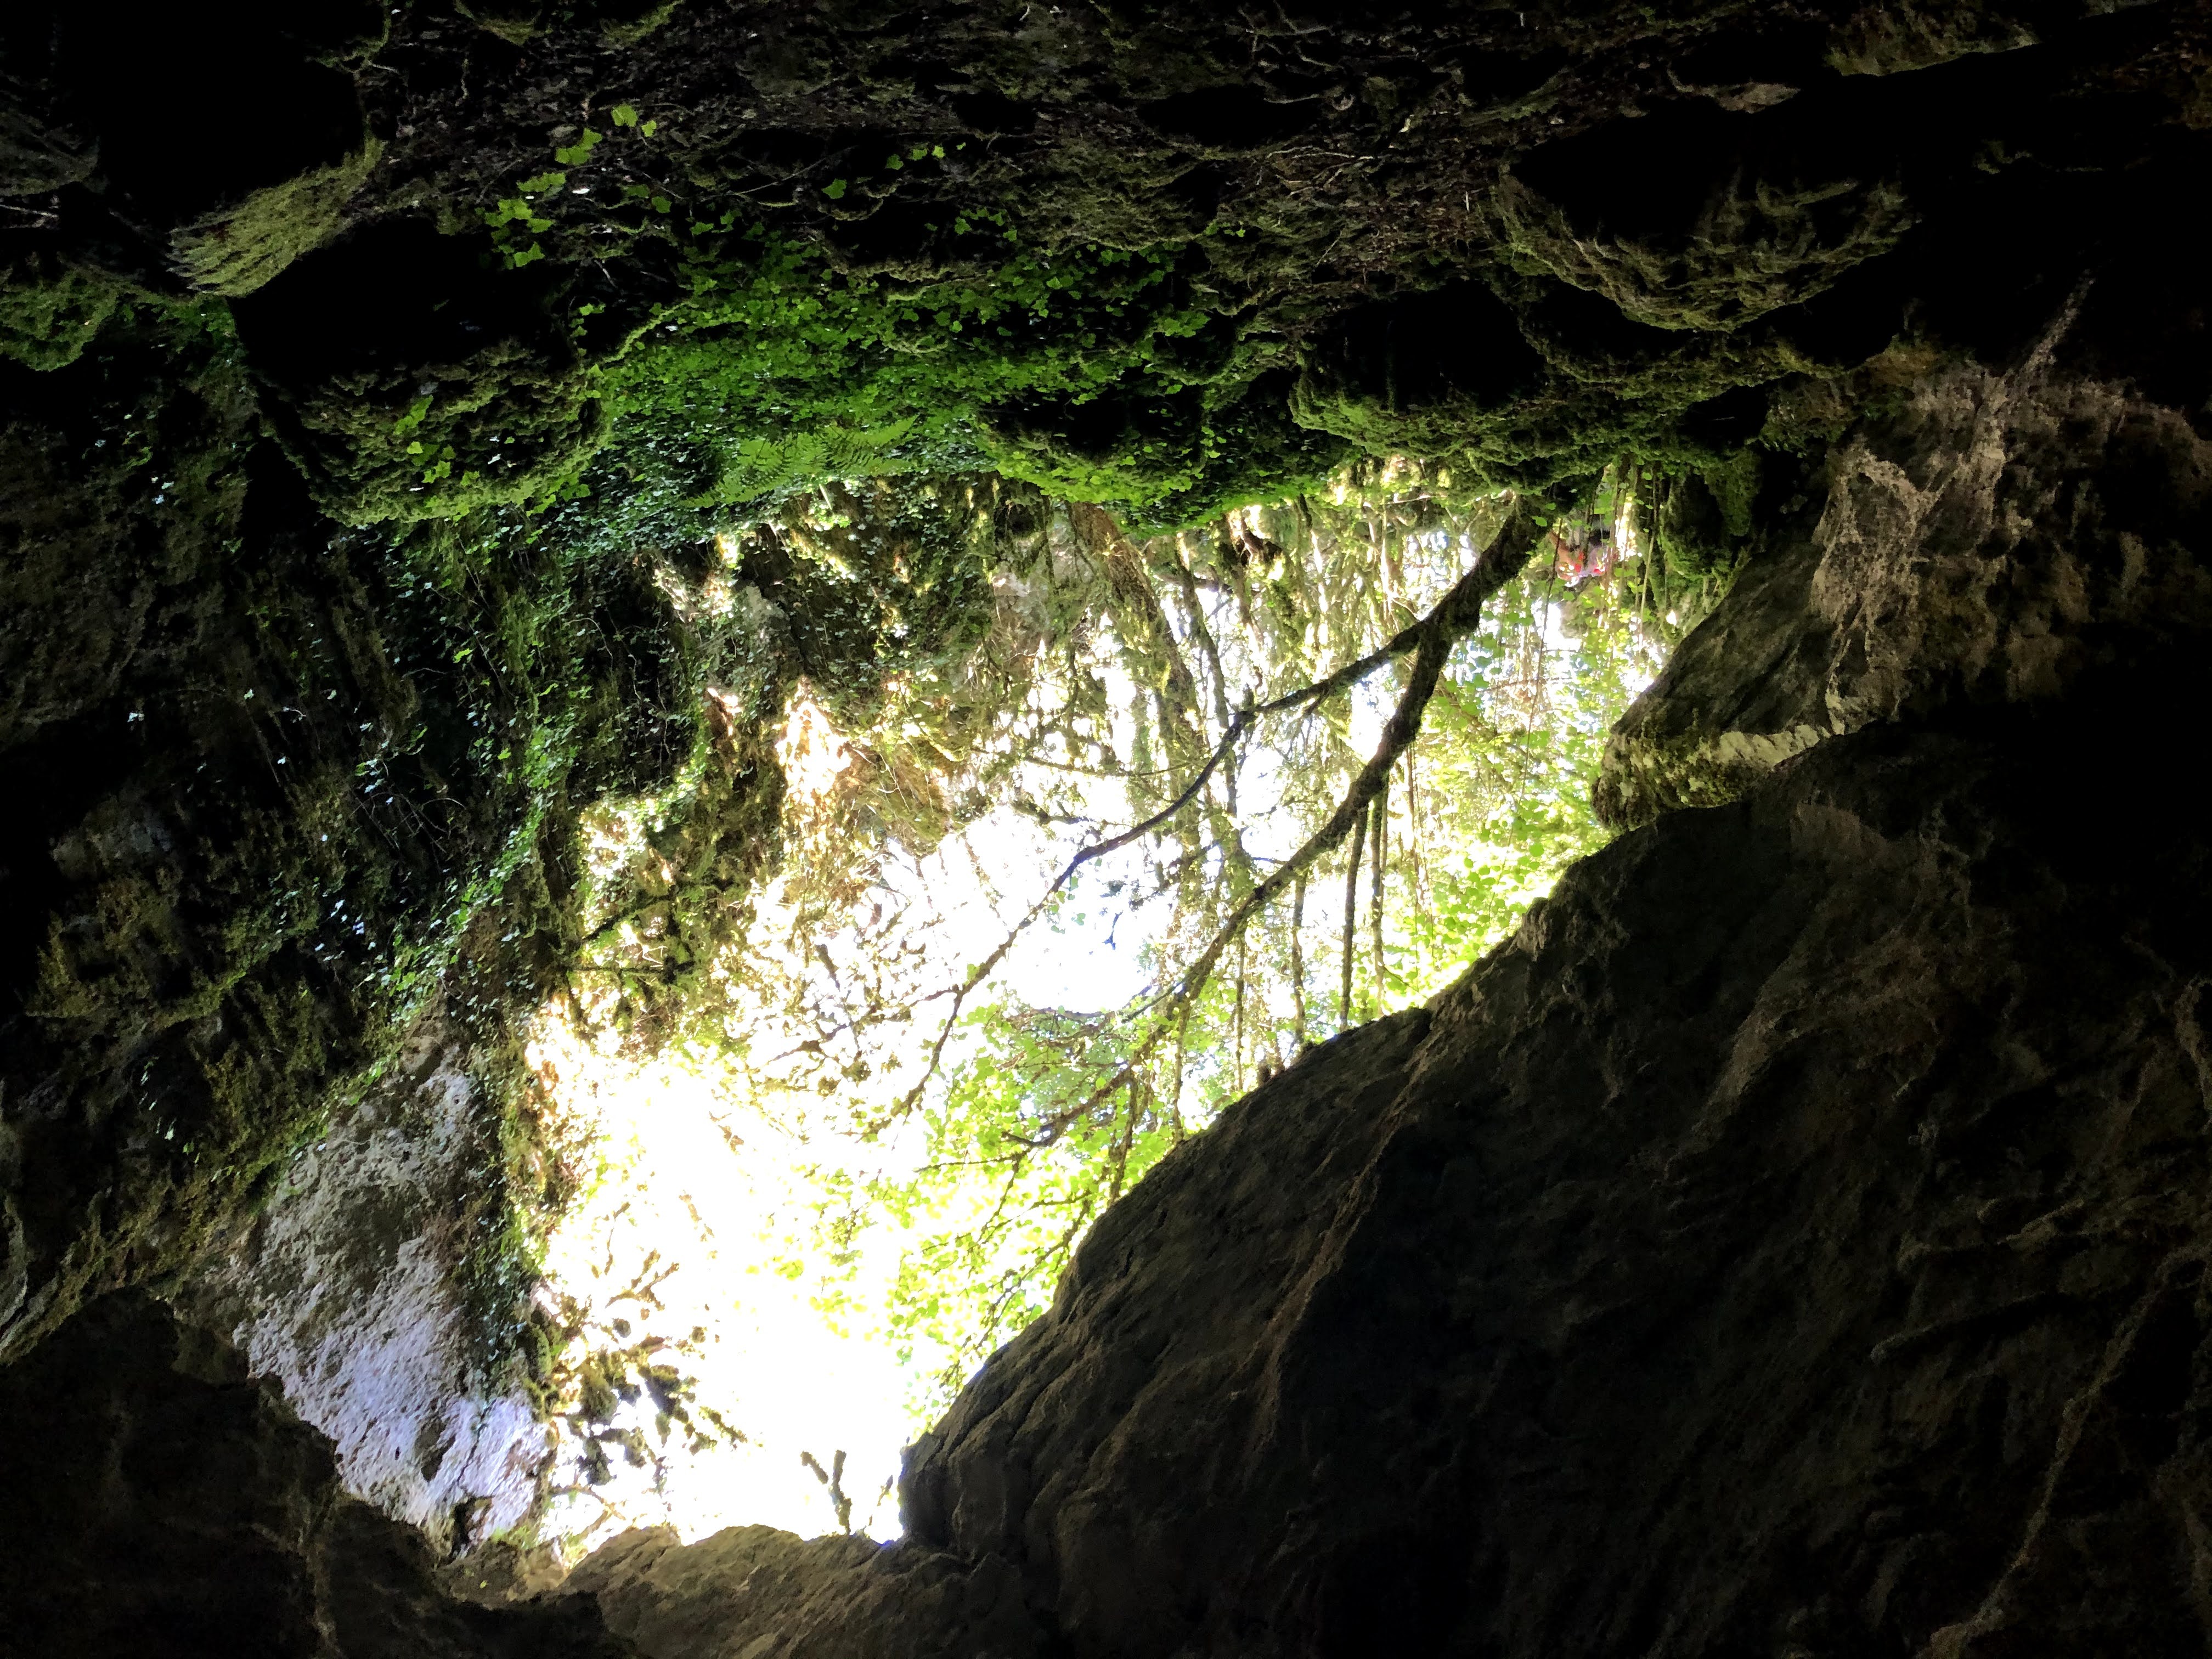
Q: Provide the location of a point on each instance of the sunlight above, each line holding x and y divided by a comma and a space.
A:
813, 753
798, 1228
694, 1235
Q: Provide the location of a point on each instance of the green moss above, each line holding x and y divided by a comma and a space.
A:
501, 428
1892, 38
51, 312
1754, 247
237, 249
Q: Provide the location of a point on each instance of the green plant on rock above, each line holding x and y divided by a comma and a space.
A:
238, 248
49, 312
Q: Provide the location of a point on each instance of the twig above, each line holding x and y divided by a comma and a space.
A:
1437, 634
1452, 616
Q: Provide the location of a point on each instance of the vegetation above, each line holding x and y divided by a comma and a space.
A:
1196, 731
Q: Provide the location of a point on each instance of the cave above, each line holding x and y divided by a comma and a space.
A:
479, 478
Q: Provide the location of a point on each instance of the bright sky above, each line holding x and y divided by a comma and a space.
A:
721, 1190
736, 1215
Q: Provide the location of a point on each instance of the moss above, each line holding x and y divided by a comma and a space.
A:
237, 249
51, 312
501, 427
1890, 39
1699, 217
457, 385
1754, 247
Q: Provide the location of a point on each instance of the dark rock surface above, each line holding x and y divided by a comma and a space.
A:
1998, 536
1791, 1240
164, 1507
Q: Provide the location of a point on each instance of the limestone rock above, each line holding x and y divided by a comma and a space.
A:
1993, 540
350, 1290
176, 1509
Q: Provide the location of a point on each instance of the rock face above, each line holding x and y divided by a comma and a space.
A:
2002, 535
178, 1509
351, 1290
1792, 1240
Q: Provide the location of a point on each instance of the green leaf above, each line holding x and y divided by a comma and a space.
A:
624, 115
834, 189
579, 151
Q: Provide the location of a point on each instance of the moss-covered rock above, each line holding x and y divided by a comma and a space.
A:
236, 248
50, 310
1695, 218
455, 383
295, 785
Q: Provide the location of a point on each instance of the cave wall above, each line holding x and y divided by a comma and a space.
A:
358, 1289
1791, 1242
2053, 520
179, 1509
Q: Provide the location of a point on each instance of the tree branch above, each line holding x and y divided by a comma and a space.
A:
1431, 639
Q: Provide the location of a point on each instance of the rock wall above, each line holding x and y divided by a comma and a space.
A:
177, 1511
2000, 535
351, 1289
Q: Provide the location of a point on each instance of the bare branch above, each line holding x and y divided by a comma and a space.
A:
1431, 639
1437, 634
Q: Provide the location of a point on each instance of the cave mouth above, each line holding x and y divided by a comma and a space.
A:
811, 1197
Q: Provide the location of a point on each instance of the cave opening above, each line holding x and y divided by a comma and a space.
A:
850, 1157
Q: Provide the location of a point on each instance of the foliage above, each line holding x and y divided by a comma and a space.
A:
1088, 682
49, 312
